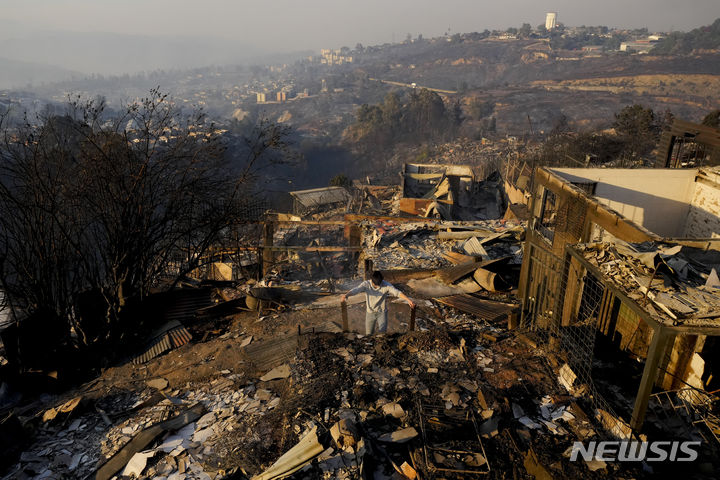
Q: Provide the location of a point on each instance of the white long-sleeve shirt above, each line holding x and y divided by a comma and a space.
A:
376, 296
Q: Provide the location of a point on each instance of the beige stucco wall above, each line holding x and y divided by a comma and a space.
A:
703, 221
657, 199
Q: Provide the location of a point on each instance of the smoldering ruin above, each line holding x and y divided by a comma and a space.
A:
553, 306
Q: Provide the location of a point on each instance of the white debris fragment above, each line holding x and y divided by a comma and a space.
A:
137, 464
282, 371
171, 443
393, 409
399, 436
528, 422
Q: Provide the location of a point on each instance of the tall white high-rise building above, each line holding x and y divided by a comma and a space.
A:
550, 20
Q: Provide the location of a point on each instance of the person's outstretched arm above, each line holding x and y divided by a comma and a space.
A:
359, 289
407, 299
397, 293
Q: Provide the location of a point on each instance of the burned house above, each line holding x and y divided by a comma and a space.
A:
689, 145
628, 260
285, 387
319, 198
449, 192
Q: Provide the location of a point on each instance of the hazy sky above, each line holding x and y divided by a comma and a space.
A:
291, 25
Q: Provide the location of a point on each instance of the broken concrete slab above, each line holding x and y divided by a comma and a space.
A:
402, 435
137, 464
393, 409
280, 372
157, 383
143, 439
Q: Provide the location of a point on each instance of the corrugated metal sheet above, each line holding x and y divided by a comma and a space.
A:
5, 318
271, 352
489, 310
182, 305
473, 246
321, 196
171, 335
294, 459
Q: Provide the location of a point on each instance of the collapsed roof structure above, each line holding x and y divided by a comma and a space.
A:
306, 200
630, 255
449, 192
688, 145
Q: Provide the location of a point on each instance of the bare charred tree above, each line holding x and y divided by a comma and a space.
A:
637, 126
118, 206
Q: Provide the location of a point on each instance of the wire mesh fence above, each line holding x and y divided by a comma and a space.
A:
690, 412
544, 273
564, 304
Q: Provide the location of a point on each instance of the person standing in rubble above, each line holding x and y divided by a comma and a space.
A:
377, 291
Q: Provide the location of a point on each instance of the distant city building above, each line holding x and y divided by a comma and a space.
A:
261, 98
333, 57
551, 20
637, 46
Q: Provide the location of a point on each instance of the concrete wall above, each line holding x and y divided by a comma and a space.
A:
515, 195
657, 199
703, 220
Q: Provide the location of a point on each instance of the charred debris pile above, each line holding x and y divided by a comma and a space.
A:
271, 377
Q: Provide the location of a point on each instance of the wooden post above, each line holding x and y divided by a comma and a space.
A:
345, 326
353, 237
259, 273
267, 253
513, 320
575, 284
412, 318
368, 268
658, 347
331, 284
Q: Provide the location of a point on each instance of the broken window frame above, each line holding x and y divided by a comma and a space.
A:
546, 228
435, 414
587, 187
686, 152
692, 407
